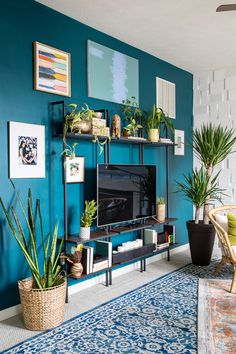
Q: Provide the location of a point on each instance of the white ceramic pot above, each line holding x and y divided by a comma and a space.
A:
153, 135
161, 212
84, 233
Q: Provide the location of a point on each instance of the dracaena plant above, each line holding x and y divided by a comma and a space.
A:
26, 235
212, 144
196, 188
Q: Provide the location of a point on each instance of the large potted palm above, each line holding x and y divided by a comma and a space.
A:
201, 236
43, 295
211, 145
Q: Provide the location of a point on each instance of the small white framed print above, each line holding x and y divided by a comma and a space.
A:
26, 150
74, 169
179, 141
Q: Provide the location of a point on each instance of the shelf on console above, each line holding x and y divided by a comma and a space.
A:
100, 234
166, 249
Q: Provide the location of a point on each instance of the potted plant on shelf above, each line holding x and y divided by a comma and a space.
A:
161, 209
74, 258
79, 121
211, 144
154, 121
133, 115
87, 218
47, 285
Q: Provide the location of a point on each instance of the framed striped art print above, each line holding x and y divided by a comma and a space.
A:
51, 70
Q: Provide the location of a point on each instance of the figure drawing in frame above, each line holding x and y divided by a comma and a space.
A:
27, 150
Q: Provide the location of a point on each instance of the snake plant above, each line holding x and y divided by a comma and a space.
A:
26, 235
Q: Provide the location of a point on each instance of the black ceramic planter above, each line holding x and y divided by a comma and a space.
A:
201, 242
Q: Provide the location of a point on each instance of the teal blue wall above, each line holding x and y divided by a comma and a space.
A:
22, 23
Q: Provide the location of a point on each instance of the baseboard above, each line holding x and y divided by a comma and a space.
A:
16, 310
10, 312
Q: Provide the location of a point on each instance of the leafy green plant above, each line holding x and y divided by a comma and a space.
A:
69, 150
100, 143
51, 275
161, 201
156, 118
196, 189
212, 144
89, 213
133, 115
86, 113
133, 126
71, 119
131, 109
71, 123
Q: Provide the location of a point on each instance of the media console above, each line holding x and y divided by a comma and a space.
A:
109, 233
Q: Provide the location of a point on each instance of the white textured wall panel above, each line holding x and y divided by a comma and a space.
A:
215, 102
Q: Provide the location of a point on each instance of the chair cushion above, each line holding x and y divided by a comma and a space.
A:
233, 248
232, 228
222, 220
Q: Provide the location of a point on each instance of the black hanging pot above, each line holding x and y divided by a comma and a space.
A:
201, 242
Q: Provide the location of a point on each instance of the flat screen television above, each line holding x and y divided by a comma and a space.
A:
125, 193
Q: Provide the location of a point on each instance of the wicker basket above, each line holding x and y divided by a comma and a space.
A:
42, 309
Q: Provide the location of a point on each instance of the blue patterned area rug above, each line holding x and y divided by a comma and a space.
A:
159, 317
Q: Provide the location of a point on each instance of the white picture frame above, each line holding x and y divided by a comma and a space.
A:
165, 96
74, 169
52, 70
179, 141
26, 150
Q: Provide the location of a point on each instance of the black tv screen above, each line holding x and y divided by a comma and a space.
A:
125, 193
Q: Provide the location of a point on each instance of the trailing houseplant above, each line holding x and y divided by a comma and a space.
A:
154, 121
133, 115
211, 144
87, 218
80, 122
25, 229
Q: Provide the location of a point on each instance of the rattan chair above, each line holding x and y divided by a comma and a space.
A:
228, 255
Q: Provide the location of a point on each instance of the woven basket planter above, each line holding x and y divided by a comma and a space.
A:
42, 309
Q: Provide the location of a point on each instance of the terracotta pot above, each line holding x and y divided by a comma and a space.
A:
161, 212
126, 133
153, 135
76, 270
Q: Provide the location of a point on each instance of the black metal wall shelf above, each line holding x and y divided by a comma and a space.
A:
114, 140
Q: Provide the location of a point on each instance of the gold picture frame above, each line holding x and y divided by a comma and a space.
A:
52, 70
